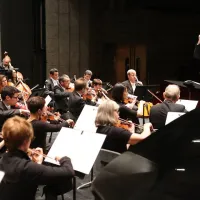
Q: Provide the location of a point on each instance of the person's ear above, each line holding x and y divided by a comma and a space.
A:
8, 98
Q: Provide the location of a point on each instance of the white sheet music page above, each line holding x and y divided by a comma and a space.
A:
82, 148
189, 104
47, 100
1, 175
171, 116
86, 120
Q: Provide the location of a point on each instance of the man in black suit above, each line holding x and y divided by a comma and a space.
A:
51, 82
61, 95
158, 112
9, 97
132, 81
76, 101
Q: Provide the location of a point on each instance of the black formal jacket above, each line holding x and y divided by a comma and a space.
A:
22, 176
128, 85
61, 98
76, 104
158, 113
6, 113
197, 52
49, 88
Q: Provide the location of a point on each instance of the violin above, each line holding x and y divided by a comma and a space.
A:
70, 88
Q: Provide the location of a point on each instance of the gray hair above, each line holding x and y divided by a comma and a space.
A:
172, 92
105, 113
89, 72
63, 78
131, 71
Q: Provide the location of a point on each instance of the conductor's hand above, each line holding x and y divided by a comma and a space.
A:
70, 122
37, 155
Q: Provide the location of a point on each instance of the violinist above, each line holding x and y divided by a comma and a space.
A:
158, 112
117, 138
37, 108
132, 81
76, 101
9, 97
87, 76
61, 95
22, 175
51, 82
3, 81
119, 95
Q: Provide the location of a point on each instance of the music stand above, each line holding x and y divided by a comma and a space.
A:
38, 92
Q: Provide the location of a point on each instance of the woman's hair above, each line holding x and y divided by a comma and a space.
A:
15, 131
118, 92
1, 78
35, 103
105, 113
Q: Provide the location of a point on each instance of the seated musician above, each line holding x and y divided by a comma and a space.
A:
23, 175
76, 101
3, 81
117, 138
6, 63
132, 81
87, 76
37, 108
9, 97
61, 96
51, 82
158, 112
126, 111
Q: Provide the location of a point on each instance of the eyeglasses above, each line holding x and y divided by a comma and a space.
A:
15, 97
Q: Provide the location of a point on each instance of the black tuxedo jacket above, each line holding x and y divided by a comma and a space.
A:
22, 176
49, 88
128, 85
6, 113
158, 113
197, 52
61, 99
76, 104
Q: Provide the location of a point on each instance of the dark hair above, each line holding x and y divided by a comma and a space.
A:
8, 91
96, 82
117, 92
63, 77
52, 71
89, 72
35, 103
1, 78
80, 84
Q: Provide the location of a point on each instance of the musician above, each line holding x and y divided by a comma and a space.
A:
76, 101
62, 96
22, 175
37, 108
158, 112
99, 90
126, 111
117, 138
6, 63
87, 76
9, 97
132, 81
51, 82
197, 49
3, 81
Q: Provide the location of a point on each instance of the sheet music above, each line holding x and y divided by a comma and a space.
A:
189, 104
171, 116
1, 175
83, 149
47, 100
86, 120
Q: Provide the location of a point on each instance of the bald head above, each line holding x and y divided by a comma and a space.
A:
172, 92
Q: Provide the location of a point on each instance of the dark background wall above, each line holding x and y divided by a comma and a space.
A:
169, 30
20, 37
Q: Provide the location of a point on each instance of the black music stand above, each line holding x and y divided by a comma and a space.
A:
190, 85
38, 92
